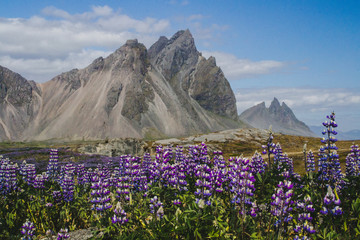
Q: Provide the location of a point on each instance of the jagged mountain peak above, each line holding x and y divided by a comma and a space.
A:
280, 117
275, 105
181, 35
168, 90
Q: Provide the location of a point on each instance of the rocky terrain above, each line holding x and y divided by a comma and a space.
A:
168, 90
280, 117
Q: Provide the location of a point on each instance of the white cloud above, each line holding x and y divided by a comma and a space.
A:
235, 68
310, 105
59, 41
44, 68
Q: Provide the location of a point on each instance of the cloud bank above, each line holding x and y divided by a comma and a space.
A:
235, 68
42, 46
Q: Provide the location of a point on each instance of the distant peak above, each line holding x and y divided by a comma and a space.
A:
181, 34
132, 42
275, 100
163, 38
284, 105
275, 104
262, 105
212, 61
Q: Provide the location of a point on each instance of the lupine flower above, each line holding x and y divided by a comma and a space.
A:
27, 230
353, 161
331, 204
63, 234
257, 164
22, 170
130, 178
81, 174
269, 147
242, 185
156, 207
39, 181
100, 192
304, 226
8, 180
30, 174
219, 173
282, 203
119, 215
330, 171
48, 205
355, 153
203, 176
351, 166
176, 202
52, 168
57, 196
310, 166
68, 187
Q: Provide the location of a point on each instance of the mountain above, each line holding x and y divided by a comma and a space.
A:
168, 90
280, 117
348, 135
19, 104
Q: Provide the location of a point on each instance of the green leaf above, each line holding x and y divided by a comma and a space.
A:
259, 177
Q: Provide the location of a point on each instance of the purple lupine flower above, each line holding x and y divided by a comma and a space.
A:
30, 174
156, 208
331, 204
257, 164
131, 178
176, 202
351, 166
269, 147
67, 181
81, 174
63, 234
39, 181
22, 170
57, 196
27, 230
355, 153
68, 187
330, 170
180, 169
204, 186
174, 175
100, 193
8, 179
281, 205
120, 216
353, 161
219, 175
310, 162
52, 168
242, 185
146, 165
304, 226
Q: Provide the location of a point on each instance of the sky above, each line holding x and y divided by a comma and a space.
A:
305, 53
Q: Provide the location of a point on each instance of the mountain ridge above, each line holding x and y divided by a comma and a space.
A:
280, 117
133, 92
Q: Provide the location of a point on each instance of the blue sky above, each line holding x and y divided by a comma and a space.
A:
305, 53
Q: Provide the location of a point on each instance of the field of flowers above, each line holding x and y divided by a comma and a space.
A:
186, 193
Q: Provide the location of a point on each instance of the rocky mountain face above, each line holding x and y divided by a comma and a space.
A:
280, 117
168, 90
19, 103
